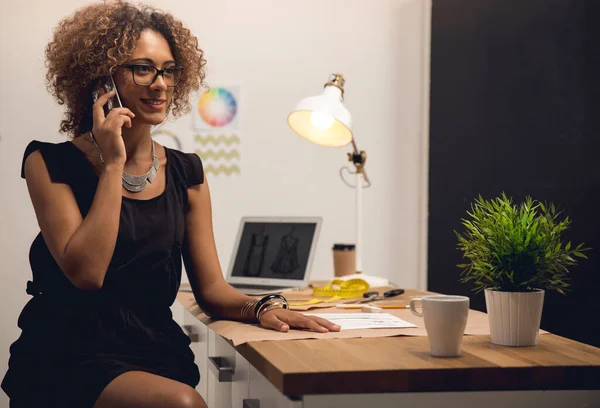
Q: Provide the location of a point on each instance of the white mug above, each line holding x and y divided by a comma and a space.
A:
445, 321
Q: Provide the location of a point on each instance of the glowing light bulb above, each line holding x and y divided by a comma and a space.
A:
321, 121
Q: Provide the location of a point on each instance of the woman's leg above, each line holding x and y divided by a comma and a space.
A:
137, 389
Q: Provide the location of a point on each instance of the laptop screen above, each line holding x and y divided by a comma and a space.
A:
274, 250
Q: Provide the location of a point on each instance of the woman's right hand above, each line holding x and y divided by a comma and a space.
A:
108, 130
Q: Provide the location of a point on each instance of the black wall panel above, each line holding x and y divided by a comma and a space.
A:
515, 99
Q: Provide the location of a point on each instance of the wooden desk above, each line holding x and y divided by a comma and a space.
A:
403, 364
402, 368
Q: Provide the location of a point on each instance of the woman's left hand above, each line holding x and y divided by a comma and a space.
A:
282, 319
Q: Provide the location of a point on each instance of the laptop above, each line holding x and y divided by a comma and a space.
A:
272, 254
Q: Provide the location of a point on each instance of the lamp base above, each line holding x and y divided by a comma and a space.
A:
373, 281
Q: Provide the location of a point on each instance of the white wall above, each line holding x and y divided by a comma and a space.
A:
278, 51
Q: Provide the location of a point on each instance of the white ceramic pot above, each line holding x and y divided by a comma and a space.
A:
514, 316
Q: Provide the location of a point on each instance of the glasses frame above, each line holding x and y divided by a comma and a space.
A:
160, 72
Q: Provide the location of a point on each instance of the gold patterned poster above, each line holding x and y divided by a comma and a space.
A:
220, 154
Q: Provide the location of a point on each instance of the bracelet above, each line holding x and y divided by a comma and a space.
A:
265, 299
248, 308
269, 305
275, 305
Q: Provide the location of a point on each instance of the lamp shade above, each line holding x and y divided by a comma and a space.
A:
323, 119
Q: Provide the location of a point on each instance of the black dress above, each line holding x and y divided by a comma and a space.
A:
74, 342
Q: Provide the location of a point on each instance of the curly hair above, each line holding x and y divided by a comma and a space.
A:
96, 39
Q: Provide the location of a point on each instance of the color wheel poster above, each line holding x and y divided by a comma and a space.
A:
216, 120
217, 109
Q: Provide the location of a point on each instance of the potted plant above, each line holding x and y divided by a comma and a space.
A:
516, 253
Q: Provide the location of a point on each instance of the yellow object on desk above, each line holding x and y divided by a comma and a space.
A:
335, 290
314, 301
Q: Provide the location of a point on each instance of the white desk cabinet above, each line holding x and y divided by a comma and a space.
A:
227, 376
227, 380
262, 394
198, 334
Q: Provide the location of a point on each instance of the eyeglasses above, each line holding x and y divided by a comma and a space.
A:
145, 75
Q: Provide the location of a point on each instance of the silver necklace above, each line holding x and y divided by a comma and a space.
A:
133, 183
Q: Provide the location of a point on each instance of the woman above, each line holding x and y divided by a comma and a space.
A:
107, 262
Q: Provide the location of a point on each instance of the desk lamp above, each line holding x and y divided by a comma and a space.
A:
324, 120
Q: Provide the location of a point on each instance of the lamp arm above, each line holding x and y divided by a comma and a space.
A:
359, 222
359, 158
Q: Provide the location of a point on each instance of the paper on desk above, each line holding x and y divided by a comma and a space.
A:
350, 321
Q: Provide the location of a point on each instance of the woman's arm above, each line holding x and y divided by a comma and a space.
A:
82, 248
215, 296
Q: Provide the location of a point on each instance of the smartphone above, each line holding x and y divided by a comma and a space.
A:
108, 85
